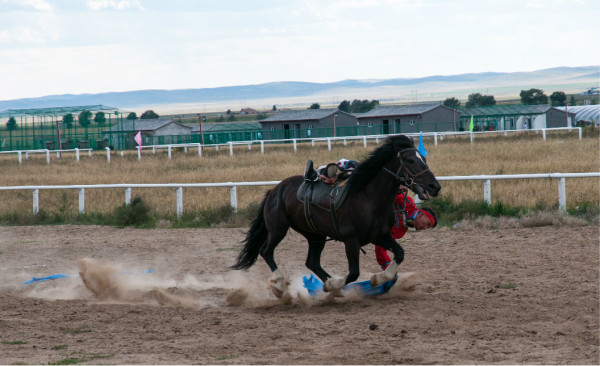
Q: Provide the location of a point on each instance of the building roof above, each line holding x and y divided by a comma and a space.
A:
590, 113
505, 110
59, 111
301, 115
144, 125
399, 110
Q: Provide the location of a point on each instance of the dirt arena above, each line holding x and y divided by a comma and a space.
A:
491, 296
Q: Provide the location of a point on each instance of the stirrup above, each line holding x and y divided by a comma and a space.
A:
310, 174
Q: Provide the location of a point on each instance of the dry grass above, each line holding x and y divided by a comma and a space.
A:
452, 156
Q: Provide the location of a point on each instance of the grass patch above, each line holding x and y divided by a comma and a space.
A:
60, 346
15, 342
79, 360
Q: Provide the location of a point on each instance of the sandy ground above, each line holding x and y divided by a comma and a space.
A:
502, 296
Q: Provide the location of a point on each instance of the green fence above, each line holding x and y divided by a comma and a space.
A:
45, 135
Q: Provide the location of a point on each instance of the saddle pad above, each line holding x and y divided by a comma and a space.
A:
324, 194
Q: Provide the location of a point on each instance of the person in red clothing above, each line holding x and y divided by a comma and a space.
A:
422, 219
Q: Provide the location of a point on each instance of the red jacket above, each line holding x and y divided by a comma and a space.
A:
398, 230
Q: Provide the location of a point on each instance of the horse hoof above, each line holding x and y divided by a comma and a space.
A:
277, 292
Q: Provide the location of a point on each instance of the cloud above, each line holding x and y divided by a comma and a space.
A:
113, 4
38, 5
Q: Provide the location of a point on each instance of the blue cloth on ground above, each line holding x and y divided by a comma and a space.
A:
51, 277
314, 286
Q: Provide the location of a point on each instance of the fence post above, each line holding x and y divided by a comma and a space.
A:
81, 201
48, 156
107, 153
329, 144
36, 201
471, 138
562, 195
199, 150
128, 195
295, 147
313, 143
169, 151
139, 153
365, 141
230, 148
262, 147
77, 154
20, 158
580, 136
179, 202
90, 153
233, 195
544, 134
487, 191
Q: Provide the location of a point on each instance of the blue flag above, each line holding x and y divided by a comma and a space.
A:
421, 148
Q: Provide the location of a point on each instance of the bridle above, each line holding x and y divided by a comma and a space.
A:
409, 177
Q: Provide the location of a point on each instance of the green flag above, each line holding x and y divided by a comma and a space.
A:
471, 124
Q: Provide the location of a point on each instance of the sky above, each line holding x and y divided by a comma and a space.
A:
50, 47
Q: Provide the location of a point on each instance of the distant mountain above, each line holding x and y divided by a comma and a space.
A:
567, 79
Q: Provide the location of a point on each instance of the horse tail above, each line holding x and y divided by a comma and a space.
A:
256, 237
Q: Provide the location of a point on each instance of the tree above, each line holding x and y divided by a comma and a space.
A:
132, 116
11, 125
533, 96
274, 108
315, 106
68, 120
558, 98
149, 114
228, 112
100, 118
344, 106
572, 100
478, 100
85, 118
452, 102
231, 118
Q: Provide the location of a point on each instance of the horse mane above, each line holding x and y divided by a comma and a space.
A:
368, 168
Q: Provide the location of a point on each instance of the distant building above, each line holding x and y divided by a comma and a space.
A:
412, 118
515, 117
154, 132
248, 111
308, 123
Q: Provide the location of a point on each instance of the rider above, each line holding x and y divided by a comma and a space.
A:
422, 219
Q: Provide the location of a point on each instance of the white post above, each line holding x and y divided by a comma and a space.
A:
365, 141
179, 202
20, 157
579, 133
313, 143
90, 153
139, 153
81, 201
108, 153
153, 150
295, 147
544, 134
199, 150
217, 147
329, 143
77, 154
262, 147
562, 195
487, 191
185, 149
26, 155
345, 142
471, 138
169, 151
230, 148
128, 195
233, 195
36, 201
249, 146
48, 156
435, 138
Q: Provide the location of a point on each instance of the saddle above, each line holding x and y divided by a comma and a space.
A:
326, 194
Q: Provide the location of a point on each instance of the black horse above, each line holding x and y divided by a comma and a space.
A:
366, 216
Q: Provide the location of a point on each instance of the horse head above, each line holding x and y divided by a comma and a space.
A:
413, 170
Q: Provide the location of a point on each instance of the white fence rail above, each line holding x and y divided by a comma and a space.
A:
294, 142
487, 192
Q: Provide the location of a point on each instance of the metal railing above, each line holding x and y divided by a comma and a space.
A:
487, 195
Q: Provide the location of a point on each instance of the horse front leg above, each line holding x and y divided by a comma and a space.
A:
389, 273
353, 255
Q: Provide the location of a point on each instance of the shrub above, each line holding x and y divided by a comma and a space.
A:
135, 214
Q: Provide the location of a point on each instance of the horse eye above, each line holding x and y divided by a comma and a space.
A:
411, 161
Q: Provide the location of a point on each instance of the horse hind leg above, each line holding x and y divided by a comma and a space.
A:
278, 281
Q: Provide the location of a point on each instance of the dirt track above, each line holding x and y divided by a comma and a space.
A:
507, 296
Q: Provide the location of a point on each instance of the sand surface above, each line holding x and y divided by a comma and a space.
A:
166, 296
